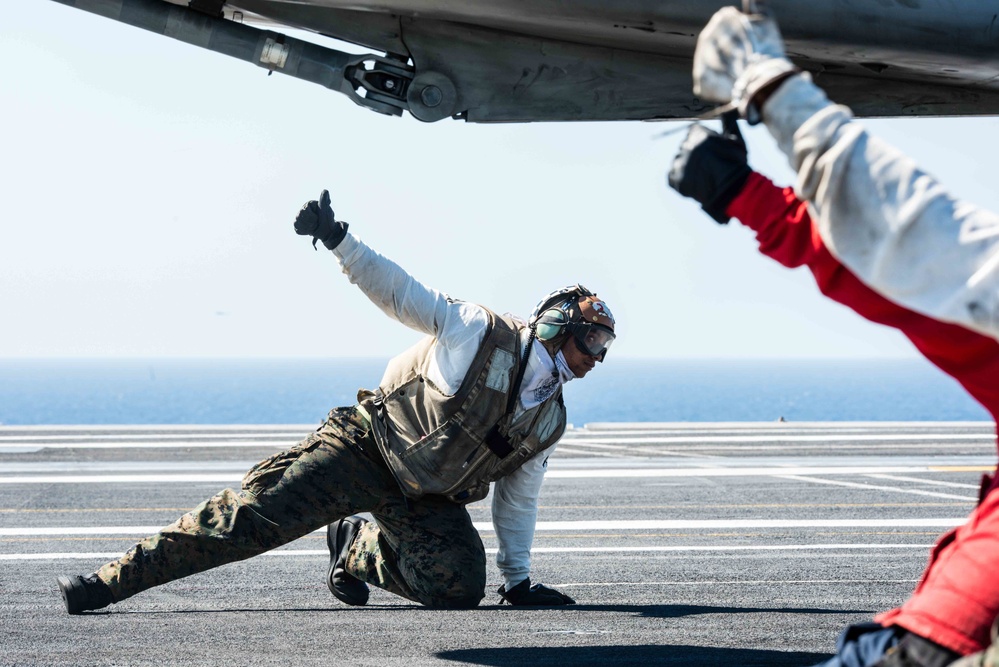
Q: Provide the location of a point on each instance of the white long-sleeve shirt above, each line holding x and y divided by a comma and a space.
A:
459, 328
888, 221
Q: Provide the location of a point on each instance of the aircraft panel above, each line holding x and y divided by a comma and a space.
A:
519, 61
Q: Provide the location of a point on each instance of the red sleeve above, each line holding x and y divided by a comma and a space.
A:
785, 232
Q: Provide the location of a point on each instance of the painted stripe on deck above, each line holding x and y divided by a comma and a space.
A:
878, 487
14, 447
324, 553
542, 526
189, 437
607, 473
223, 439
931, 482
824, 438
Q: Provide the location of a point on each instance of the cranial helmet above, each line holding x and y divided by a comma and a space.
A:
574, 311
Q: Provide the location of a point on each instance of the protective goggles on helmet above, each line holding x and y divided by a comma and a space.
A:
591, 339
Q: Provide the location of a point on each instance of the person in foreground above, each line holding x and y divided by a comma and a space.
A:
478, 400
884, 238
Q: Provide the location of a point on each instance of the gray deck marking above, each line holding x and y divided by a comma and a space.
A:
576, 452
583, 473
624, 448
324, 553
934, 482
875, 487
193, 436
616, 526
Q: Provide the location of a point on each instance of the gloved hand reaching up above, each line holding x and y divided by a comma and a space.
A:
740, 59
316, 220
711, 168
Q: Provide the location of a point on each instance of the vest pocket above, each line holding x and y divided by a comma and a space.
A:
444, 458
470, 495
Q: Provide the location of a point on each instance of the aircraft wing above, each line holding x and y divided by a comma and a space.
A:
548, 60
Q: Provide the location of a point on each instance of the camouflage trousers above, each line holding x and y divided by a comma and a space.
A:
987, 658
426, 550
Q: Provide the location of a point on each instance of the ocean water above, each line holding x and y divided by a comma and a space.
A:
298, 391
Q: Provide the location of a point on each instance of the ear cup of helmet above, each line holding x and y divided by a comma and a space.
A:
551, 324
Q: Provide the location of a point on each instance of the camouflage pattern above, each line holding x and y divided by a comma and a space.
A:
987, 658
425, 550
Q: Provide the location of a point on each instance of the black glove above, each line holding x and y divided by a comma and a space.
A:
316, 220
523, 594
712, 168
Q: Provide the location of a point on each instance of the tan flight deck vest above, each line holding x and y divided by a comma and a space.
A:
455, 446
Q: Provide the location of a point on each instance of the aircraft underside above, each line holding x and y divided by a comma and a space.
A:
521, 61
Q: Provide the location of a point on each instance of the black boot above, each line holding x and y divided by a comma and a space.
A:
339, 536
84, 593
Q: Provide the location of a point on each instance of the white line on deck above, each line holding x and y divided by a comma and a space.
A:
13, 447
876, 487
682, 428
932, 482
193, 436
700, 450
324, 553
562, 449
607, 473
734, 582
772, 471
542, 526
589, 445
225, 439
824, 438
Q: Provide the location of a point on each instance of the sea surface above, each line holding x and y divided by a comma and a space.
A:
301, 391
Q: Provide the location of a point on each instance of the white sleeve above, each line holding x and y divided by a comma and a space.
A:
459, 326
515, 512
395, 292
891, 223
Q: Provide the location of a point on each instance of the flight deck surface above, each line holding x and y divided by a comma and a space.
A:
688, 544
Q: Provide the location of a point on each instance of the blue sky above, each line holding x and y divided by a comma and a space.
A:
147, 191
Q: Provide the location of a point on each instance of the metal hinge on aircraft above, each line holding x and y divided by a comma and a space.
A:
385, 84
380, 83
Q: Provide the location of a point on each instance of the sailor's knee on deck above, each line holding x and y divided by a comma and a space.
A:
459, 599
463, 592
